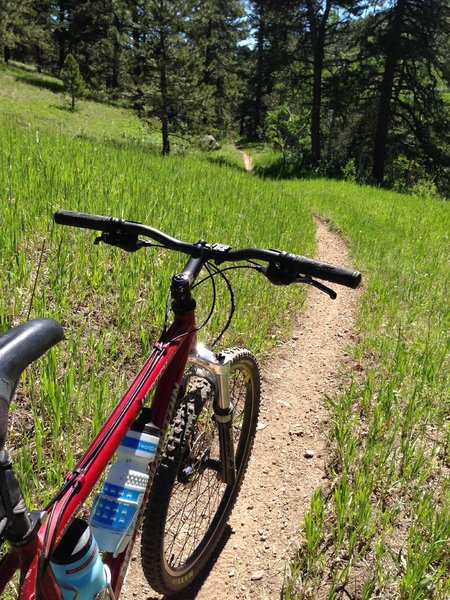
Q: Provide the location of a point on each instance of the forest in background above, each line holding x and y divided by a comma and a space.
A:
354, 89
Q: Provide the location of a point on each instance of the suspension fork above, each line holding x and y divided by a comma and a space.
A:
220, 367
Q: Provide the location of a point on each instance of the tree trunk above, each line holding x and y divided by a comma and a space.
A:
384, 108
316, 143
165, 136
164, 97
317, 32
61, 36
257, 116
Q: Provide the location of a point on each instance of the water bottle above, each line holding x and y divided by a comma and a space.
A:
77, 565
116, 507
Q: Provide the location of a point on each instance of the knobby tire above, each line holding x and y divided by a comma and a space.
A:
189, 506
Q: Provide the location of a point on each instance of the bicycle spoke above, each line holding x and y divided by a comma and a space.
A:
199, 500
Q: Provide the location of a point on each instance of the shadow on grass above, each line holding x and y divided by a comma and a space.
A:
46, 84
64, 107
281, 170
223, 161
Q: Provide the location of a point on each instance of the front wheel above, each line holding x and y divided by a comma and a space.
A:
189, 505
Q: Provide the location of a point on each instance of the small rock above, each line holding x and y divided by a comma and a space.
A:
257, 575
298, 432
309, 454
231, 574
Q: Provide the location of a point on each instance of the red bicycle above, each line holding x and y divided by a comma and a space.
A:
204, 405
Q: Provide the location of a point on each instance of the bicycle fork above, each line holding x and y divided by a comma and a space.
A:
204, 358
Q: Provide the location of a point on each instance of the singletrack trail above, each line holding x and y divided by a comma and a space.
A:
290, 450
248, 161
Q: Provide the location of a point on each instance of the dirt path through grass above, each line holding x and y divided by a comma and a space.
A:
248, 162
290, 450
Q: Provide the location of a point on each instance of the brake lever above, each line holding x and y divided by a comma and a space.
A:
125, 241
318, 285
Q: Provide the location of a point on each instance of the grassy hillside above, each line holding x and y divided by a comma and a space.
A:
36, 100
112, 303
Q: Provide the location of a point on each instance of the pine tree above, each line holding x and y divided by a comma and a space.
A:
24, 31
215, 29
73, 81
410, 37
324, 19
98, 35
165, 76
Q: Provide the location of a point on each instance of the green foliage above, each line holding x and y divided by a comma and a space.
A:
73, 81
215, 30
425, 188
362, 81
349, 172
388, 515
286, 132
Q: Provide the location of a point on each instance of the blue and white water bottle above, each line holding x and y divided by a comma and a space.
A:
77, 565
116, 507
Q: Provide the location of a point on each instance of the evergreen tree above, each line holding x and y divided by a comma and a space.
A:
98, 35
409, 35
324, 20
215, 29
259, 77
73, 81
41, 42
61, 18
24, 30
166, 77
269, 22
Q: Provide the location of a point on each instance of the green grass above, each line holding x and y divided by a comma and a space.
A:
228, 156
112, 303
384, 530
36, 100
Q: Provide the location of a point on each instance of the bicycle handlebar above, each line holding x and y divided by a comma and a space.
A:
283, 267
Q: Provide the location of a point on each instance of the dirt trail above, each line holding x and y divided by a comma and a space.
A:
248, 162
290, 450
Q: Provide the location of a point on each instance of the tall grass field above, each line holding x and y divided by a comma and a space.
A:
380, 528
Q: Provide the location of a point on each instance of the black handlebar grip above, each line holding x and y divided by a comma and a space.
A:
85, 221
326, 271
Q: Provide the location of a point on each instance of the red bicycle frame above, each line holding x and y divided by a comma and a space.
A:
163, 369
